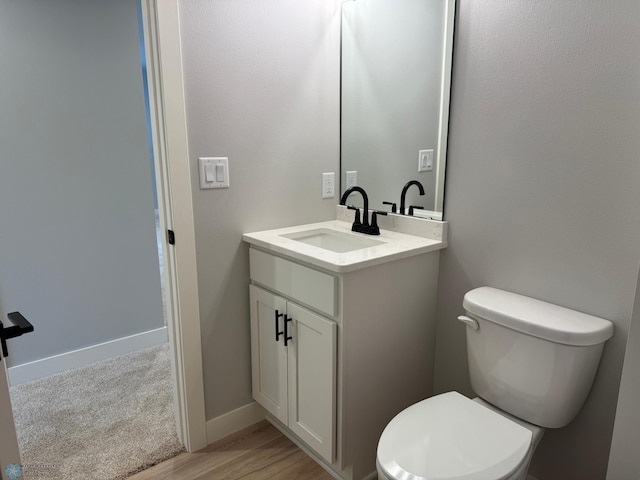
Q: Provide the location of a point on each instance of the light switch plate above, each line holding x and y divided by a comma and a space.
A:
425, 160
214, 172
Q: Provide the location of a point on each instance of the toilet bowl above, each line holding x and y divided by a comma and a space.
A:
532, 365
452, 437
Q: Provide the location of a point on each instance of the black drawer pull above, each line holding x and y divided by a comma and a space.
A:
278, 333
287, 337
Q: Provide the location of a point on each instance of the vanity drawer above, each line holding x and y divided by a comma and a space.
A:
298, 282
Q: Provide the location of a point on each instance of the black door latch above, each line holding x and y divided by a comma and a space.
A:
20, 326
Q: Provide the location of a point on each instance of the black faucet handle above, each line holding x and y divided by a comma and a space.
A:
394, 207
417, 207
373, 228
356, 220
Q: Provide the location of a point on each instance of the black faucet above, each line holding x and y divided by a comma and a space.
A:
404, 193
364, 226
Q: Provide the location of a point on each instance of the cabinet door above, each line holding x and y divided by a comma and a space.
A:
312, 379
268, 355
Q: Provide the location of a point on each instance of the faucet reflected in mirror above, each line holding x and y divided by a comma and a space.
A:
403, 196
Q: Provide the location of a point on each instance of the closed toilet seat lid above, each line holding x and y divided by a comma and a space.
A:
450, 437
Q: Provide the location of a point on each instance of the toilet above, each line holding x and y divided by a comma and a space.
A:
531, 364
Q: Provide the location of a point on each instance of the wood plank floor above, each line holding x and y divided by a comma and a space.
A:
259, 452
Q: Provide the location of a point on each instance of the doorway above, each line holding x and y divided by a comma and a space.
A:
46, 186
76, 180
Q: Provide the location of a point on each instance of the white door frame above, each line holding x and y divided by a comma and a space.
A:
9, 454
173, 181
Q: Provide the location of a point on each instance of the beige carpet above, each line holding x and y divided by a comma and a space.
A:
104, 421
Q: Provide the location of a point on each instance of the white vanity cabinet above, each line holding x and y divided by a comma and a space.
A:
294, 367
361, 351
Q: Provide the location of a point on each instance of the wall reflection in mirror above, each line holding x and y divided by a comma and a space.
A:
396, 71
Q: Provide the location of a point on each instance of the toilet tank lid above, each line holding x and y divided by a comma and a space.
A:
537, 318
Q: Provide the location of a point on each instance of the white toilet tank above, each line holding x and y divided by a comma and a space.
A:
530, 358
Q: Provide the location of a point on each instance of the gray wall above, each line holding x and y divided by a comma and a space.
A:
77, 241
542, 186
624, 461
262, 83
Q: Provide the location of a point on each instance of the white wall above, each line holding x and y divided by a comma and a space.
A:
262, 86
77, 236
542, 186
624, 461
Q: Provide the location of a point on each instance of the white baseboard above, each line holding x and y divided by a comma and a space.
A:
44, 367
234, 421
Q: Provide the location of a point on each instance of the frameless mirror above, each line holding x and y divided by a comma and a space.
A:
395, 81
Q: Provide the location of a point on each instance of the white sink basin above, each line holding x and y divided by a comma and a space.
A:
332, 240
333, 246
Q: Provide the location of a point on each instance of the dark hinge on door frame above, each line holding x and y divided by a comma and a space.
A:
171, 237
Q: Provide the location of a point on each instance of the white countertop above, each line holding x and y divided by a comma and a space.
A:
396, 246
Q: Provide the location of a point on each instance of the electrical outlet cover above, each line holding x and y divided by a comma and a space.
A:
328, 185
351, 178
